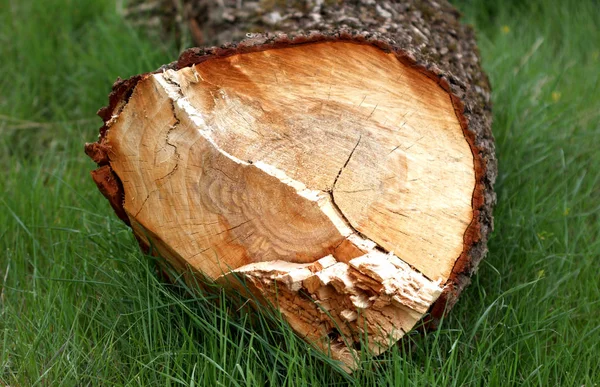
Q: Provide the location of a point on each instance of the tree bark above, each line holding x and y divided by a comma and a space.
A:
342, 165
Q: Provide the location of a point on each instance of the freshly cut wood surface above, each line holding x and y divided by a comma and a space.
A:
235, 163
333, 174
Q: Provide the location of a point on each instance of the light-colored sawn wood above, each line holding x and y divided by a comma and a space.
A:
330, 174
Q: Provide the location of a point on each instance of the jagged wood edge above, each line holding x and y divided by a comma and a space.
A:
471, 105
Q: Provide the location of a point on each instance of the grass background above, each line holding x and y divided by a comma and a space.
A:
79, 304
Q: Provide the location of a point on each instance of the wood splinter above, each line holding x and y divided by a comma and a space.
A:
347, 184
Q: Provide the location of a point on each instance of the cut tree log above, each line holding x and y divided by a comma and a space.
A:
346, 177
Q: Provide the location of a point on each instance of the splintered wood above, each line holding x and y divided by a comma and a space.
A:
333, 177
334, 303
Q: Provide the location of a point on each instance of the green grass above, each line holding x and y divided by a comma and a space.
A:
79, 304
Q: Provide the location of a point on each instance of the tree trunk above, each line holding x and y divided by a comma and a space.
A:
345, 174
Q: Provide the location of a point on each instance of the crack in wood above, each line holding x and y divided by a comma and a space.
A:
143, 203
346, 163
171, 129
